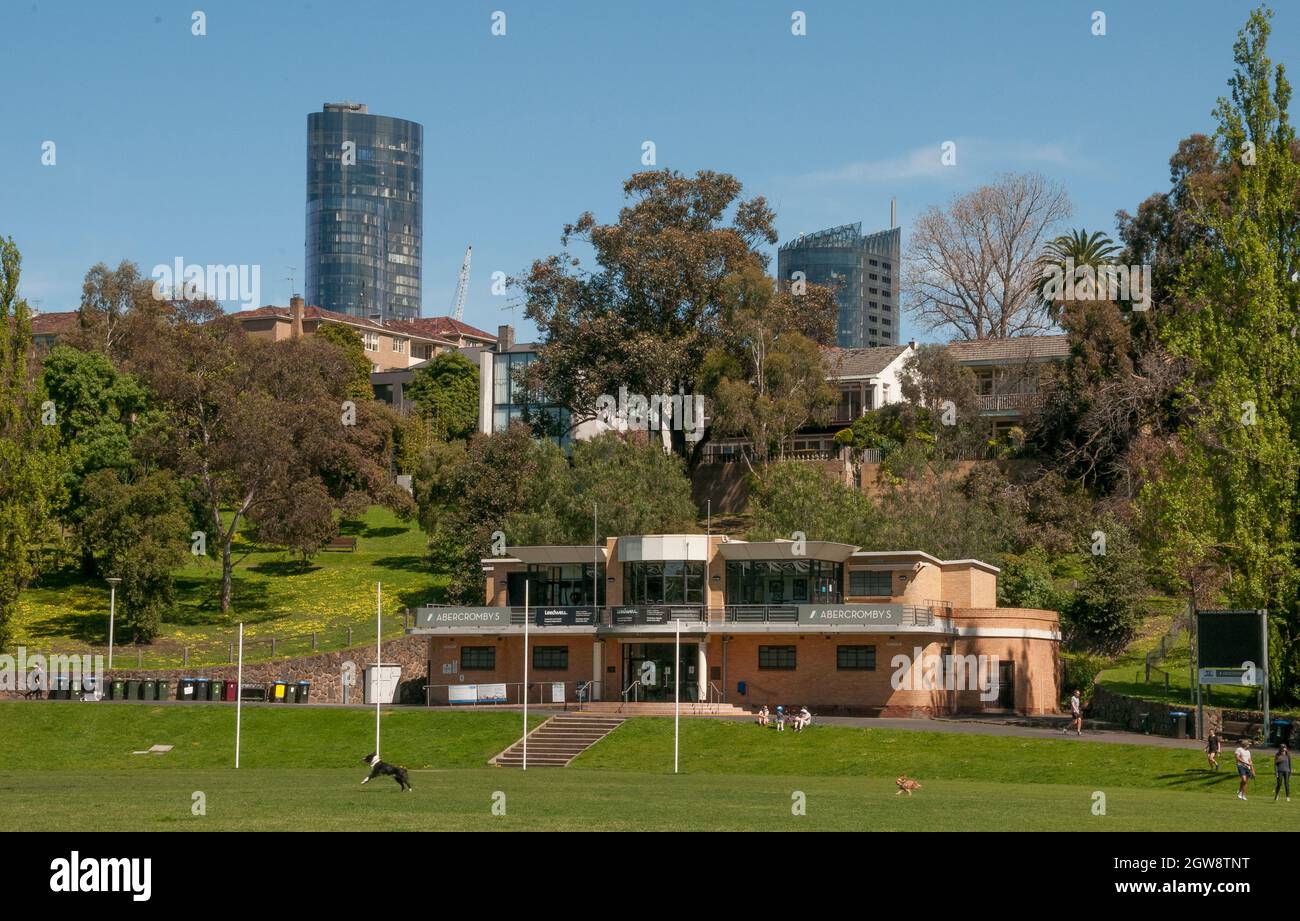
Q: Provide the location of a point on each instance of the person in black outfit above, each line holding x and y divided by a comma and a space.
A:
1282, 767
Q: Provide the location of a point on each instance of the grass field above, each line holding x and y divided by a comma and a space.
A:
274, 595
301, 770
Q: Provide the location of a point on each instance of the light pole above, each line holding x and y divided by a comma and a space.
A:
112, 611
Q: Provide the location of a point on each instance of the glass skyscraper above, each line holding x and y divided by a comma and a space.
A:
365, 184
863, 271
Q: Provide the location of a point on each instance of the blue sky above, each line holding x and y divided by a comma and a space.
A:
173, 145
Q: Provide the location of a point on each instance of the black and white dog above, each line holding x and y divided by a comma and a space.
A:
380, 768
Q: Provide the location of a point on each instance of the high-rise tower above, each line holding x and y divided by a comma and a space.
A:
365, 186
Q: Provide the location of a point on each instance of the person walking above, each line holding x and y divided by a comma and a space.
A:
1213, 747
1076, 714
1245, 767
1282, 768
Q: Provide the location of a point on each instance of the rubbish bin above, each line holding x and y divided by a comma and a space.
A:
218, 687
133, 689
1178, 724
228, 692
162, 689
89, 687
117, 690
185, 689
202, 688
304, 688
61, 686
1144, 723
1281, 732
149, 689
277, 692
740, 688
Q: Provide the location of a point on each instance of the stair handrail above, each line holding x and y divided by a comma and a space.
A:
635, 684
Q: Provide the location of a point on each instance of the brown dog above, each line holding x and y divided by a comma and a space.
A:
906, 786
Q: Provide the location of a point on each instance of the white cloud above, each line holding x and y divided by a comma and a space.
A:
982, 154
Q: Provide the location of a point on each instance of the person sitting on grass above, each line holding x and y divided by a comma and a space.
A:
1213, 746
763, 716
1282, 768
1245, 767
802, 719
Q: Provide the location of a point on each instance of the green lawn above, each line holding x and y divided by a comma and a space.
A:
273, 595
301, 770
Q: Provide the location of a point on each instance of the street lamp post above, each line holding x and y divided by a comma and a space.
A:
112, 611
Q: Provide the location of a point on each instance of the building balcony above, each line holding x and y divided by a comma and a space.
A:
1017, 403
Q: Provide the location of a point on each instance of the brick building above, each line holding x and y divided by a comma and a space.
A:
813, 623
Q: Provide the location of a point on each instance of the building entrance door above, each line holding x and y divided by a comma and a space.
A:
650, 665
1006, 685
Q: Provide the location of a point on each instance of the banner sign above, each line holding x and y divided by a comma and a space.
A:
656, 614
476, 694
452, 617
565, 617
1238, 677
851, 615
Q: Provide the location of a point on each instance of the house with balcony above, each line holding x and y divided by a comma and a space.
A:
830, 626
865, 379
1012, 374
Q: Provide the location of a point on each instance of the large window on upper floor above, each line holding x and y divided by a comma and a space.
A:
783, 581
877, 583
666, 582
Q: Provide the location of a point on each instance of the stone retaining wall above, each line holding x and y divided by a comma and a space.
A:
1110, 707
324, 671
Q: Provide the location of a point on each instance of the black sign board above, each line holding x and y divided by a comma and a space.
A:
655, 614
1227, 639
566, 617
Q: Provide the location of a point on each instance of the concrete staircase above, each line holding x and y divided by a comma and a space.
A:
559, 740
662, 708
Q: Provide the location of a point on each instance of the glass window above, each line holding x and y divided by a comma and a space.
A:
871, 582
671, 582
478, 658
783, 581
565, 585
855, 658
776, 657
551, 658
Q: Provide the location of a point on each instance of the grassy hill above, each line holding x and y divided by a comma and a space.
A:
274, 596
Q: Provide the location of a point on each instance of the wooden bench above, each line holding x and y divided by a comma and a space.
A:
342, 543
1240, 729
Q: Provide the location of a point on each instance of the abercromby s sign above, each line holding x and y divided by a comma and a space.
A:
426, 618
854, 615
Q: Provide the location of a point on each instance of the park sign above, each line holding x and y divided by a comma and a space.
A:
1238, 677
437, 618
851, 615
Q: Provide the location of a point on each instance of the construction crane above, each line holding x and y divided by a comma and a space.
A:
458, 310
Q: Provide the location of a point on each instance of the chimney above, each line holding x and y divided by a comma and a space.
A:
911, 344
296, 314
893, 213
505, 338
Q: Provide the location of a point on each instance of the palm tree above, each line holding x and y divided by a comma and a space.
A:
1078, 248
